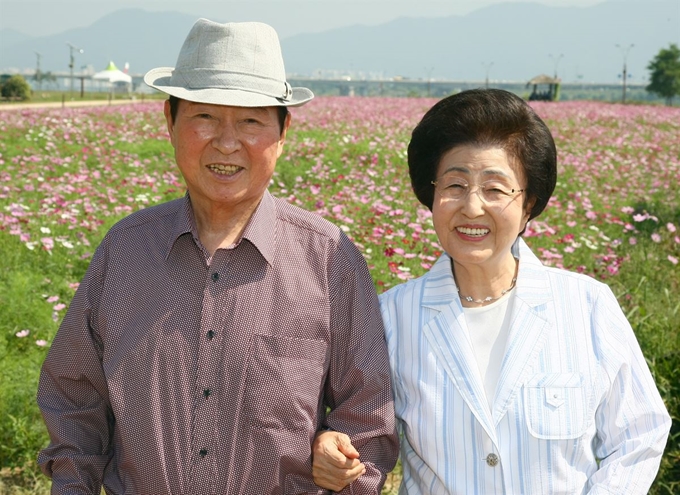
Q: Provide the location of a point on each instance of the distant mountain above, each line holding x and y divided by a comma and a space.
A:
518, 38
9, 37
513, 41
141, 38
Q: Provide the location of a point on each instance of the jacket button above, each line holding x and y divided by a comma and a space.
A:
492, 460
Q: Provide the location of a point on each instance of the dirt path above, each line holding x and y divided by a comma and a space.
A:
72, 103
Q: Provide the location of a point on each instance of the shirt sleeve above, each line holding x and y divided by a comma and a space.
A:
358, 389
73, 397
632, 421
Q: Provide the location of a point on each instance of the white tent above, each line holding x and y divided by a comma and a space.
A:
113, 75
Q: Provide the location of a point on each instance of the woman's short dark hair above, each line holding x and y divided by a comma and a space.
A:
484, 117
174, 104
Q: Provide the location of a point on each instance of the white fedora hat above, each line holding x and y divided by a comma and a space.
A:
237, 64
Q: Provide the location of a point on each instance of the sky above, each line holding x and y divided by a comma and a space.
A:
46, 17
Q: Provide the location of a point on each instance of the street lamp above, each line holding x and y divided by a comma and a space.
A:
72, 48
556, 60
624, 52
487, 67
38, 75
429, 79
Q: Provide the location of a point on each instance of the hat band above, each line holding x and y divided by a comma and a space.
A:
220, 79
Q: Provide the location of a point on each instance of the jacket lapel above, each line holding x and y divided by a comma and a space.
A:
529, 329
448, 335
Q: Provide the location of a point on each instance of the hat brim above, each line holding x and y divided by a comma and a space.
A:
160, 79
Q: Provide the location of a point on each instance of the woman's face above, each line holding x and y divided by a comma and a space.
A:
480, 227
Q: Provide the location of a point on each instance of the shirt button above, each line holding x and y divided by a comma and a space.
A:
210, 334
215, 277
203, 452
207, 393
492, 460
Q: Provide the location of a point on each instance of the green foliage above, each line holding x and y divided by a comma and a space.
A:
129, 164
665, 73
16, 87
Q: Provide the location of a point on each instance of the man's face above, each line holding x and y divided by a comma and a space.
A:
226, 154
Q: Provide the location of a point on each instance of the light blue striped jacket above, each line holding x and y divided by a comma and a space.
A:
574, 389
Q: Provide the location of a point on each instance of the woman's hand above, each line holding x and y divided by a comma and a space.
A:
335, 461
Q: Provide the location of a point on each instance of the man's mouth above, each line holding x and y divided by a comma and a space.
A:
224, 169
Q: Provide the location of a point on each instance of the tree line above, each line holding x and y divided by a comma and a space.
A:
664, 78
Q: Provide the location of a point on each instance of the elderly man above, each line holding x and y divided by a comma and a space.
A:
213, 336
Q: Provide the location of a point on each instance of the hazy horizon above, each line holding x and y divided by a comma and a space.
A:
289, 17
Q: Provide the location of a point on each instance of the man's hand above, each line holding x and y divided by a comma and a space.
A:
335, 461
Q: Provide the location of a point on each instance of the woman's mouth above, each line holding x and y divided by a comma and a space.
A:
476, 232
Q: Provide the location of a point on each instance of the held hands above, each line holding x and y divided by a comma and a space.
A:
335, 461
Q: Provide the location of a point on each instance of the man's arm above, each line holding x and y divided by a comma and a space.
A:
358, 388
73, 399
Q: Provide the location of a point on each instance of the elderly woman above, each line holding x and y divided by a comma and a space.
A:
509, 376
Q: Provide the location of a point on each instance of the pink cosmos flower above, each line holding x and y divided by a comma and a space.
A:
23, 333
673, 259
48, 243
656, 237
671, 228
41, 343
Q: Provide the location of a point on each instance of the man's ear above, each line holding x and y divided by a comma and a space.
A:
168, 121
282, 138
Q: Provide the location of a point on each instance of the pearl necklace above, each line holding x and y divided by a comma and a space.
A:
488, 299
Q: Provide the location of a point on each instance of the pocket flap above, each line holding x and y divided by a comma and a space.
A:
554, 380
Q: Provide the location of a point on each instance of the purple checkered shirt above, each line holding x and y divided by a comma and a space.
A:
174, 372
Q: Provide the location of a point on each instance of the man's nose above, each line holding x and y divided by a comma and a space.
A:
226, 139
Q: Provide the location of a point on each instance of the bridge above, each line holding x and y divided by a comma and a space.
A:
346, 86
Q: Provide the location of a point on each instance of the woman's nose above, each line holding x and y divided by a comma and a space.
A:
473, 203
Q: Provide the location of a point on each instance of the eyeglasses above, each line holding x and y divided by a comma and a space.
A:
491, 192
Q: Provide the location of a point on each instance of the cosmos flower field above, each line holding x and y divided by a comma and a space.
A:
66, 175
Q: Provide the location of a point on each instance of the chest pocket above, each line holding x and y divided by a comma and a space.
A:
556, 406
285, 381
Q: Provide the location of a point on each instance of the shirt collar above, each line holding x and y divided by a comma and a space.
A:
184, 223
260, 230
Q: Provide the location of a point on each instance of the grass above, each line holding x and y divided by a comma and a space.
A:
67, 175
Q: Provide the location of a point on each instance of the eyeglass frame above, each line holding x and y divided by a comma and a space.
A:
479, 187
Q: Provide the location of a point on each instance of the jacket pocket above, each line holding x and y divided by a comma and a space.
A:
556, 406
